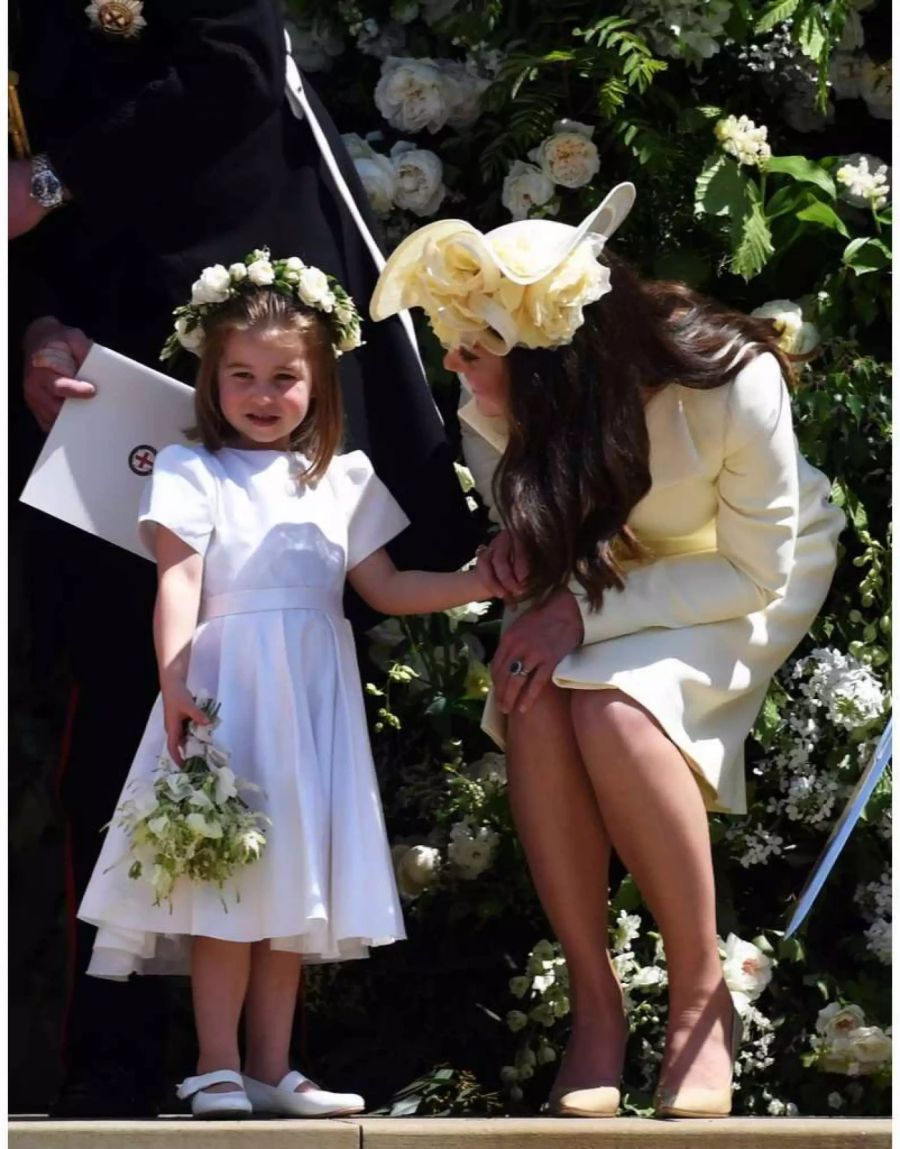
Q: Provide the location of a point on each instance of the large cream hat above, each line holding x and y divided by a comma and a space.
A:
525, 283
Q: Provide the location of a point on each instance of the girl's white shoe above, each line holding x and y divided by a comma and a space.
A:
212, 1105
286, 1102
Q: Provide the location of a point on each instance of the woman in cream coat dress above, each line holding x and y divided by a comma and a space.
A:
665, 547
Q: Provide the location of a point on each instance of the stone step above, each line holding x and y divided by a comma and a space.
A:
456, 1133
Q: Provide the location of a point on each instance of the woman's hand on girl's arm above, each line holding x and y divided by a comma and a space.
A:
180, 570
393, 592
538, 640
508, 565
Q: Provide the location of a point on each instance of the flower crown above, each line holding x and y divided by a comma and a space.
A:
291, 277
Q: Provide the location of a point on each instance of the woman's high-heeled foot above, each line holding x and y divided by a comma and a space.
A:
697, 1101
593, 1101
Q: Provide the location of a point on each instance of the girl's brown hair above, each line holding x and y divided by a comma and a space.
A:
577, 459
319, 435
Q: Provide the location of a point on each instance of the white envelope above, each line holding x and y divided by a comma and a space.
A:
97, 458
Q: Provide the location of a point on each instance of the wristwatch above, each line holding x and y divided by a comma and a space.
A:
46, 186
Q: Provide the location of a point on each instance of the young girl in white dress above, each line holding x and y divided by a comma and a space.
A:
254, 533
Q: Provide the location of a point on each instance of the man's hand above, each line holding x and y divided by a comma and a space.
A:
24, 212
508, 564
53, 354
539, 640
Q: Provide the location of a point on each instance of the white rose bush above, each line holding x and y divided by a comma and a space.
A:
758, 137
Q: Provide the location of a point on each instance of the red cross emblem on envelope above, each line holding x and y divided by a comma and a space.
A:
141, 459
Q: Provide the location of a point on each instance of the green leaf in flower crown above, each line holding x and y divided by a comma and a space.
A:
821, 213
755, 246
802, 169
776, 14
865, 254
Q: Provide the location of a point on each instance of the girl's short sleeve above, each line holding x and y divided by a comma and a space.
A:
374, 516
181, 496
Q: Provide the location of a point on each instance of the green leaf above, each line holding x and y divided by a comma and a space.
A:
768, 722
721, 189
804, 170
865, 254
821, 213
776, 13
755, 246
811, 32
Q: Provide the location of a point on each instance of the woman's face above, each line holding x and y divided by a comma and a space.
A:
486, 374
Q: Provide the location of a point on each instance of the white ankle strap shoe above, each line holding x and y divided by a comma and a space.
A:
216, 1105
284, 1101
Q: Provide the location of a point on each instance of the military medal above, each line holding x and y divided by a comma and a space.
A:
117, 17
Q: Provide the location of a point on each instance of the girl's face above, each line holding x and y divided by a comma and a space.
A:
486, 374
265, 382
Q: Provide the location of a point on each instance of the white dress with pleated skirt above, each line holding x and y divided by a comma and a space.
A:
274, 649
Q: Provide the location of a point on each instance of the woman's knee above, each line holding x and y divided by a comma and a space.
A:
611, 716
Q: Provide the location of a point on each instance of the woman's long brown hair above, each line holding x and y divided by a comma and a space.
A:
319, 435
577, 460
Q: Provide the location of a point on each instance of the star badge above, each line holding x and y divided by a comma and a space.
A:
117, 17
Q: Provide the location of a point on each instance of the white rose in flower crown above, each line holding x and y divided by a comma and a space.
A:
416, 868
746, 969
794, 335
525, 187
261, 272
213, 286
295, 263
569, 157
313, 289
876, 87
413, 94
419, 179
190, 340
237, 272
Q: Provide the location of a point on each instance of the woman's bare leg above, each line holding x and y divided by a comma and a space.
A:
219, 975
568, 852
271, 1001
654, 813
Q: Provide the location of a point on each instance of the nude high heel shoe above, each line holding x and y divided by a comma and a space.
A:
699, 1102
593, 1101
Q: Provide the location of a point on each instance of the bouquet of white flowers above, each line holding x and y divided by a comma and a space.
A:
192, 822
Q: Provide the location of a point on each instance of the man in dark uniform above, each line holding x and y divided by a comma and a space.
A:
163, 143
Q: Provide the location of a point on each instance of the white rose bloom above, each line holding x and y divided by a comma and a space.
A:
525, 187
191, 340
213, 286
746, 968
261, 272
465, 88
381, 42
295, 263
312, 287
844, 74
870, 1047
314, 45
357, 147
471, 848
237, 272
416, 868
795, 336
569, 157
419, 179
864, 181
876, 87
413, 94
837, 1020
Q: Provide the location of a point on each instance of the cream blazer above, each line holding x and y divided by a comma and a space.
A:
742, 541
